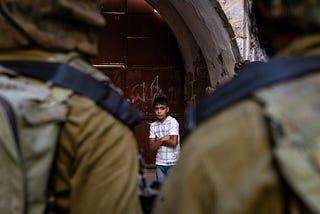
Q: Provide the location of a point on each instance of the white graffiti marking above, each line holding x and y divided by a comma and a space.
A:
140, 93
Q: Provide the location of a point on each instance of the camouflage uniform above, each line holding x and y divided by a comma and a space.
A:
96, 166
227, 163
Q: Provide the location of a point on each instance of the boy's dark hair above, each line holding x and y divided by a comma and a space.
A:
160, 100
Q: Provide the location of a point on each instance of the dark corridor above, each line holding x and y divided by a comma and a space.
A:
140, 54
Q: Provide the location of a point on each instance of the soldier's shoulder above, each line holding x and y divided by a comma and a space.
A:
253, 77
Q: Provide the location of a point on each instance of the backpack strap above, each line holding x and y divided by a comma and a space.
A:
84, 84
252, 77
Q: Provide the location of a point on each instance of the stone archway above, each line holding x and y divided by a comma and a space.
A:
206, 41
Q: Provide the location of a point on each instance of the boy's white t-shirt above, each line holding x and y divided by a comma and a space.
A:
166, 156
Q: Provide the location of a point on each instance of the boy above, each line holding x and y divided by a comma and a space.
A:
164, 137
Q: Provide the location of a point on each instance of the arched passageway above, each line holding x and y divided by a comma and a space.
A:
181, 48
206, 41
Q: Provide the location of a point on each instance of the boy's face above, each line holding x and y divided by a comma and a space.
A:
161, 111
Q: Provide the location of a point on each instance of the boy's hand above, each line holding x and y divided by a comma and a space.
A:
155, 143
165, 138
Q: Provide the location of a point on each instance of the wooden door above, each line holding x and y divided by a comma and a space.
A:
140, 54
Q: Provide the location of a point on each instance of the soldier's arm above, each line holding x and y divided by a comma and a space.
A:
187, 189
97, 163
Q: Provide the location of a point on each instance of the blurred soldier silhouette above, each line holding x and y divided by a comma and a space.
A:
59, 114
253, 145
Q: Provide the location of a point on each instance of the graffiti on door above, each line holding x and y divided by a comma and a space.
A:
146, 92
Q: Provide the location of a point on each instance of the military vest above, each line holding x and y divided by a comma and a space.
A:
30, 120
293, 116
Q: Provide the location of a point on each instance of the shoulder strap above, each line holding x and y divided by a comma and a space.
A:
252, 77
70, 77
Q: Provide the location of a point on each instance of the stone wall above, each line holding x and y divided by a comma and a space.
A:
238, 14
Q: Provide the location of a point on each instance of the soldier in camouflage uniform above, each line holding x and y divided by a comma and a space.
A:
96, 164
259, 153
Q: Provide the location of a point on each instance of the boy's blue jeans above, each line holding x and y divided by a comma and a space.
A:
161, 172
